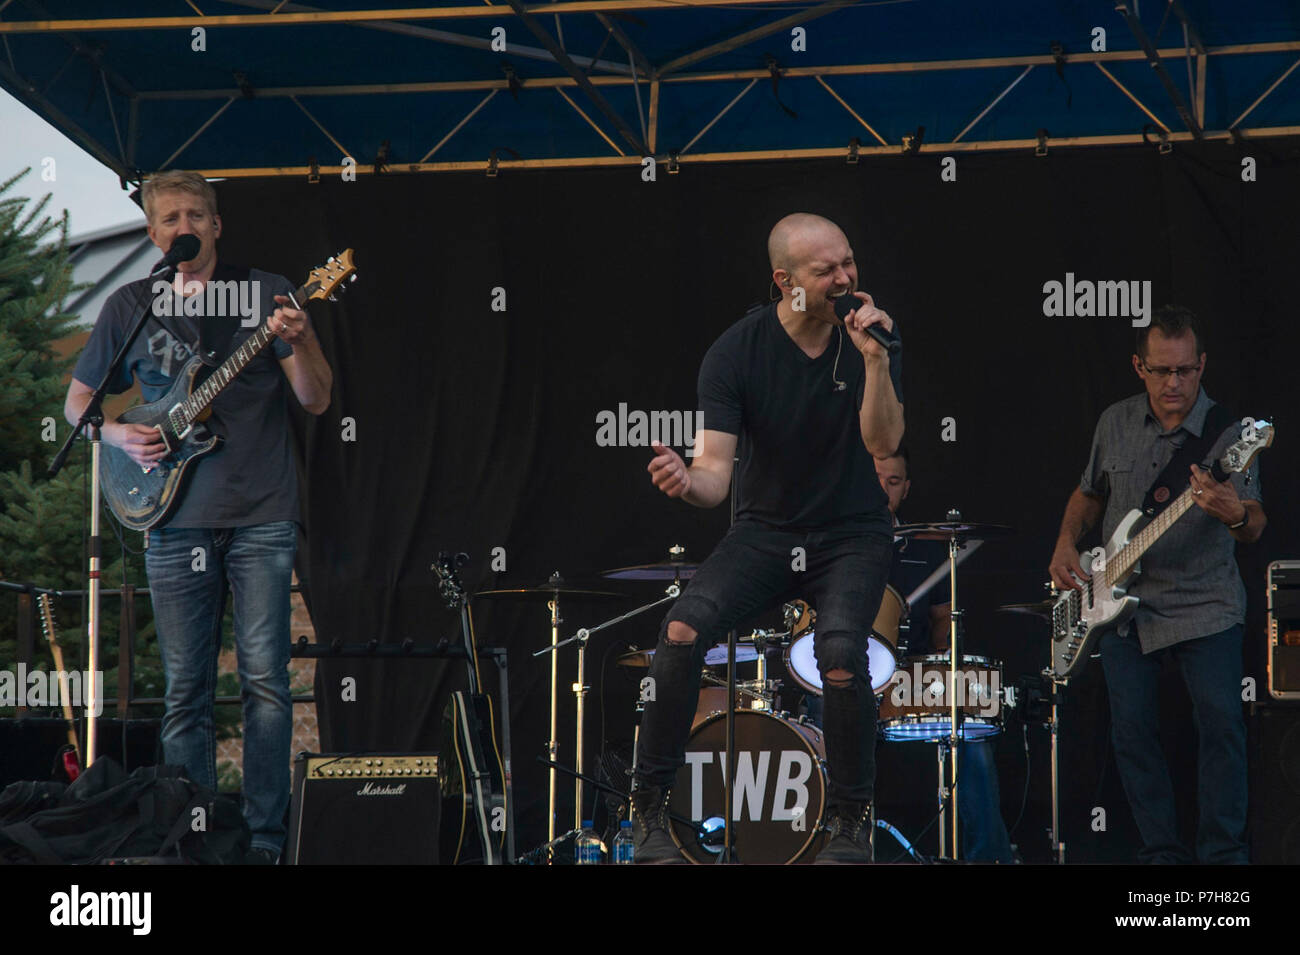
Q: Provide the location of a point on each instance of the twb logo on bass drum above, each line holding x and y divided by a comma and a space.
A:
790, 795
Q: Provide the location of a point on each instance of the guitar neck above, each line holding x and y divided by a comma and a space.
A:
1123, 562
203, 396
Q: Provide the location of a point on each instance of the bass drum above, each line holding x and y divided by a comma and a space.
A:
882, 647
779, 796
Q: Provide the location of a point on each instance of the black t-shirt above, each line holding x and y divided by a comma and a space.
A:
251, 478
803, 465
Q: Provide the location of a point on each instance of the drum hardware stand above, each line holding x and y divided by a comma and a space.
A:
955, 712
1054, 728
580, 691
604, 787
729, 773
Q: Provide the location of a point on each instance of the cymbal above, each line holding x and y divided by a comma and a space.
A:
1042, 608
639, 659
662, 570
717, 656
545, 592
947, 530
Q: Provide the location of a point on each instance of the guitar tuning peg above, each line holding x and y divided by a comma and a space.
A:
332, 298
353, 278
330, 260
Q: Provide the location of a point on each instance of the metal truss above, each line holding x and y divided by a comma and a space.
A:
583, 80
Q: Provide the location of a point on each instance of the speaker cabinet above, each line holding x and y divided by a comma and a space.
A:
369, 809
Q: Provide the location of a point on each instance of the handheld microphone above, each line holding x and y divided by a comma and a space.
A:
184, 248
847, 304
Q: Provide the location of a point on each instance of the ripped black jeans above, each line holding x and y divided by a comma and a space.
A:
842, 573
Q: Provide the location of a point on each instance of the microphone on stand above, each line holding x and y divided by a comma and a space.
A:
184, 248
849, 303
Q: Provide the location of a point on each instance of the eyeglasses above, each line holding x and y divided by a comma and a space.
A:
1182, 371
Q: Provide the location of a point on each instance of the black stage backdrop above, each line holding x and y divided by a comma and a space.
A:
455, 426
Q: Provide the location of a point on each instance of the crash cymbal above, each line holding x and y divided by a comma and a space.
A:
1042, 608
663, 570
637, 659
947, 530
547, 591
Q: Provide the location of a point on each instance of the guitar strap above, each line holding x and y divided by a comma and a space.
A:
1173, 479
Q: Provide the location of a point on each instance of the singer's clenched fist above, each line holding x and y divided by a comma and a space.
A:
862, 319
668, 471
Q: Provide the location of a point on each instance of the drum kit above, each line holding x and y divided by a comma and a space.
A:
779, 782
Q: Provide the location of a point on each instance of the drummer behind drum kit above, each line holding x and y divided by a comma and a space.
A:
780, 780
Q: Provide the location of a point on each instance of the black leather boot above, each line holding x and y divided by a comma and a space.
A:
849, 836
652, 842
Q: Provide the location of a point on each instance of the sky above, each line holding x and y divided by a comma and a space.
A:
80, 184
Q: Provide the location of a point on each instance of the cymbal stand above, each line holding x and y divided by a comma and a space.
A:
580, 689
955, 713
1054, 728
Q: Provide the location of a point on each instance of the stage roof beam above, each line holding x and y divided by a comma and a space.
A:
839, 99
1137, 102
758, 155
794, 72
360, 16
520, 50
997, 99
1264, 95
583, 82
1153, 57
455, 129
749, 36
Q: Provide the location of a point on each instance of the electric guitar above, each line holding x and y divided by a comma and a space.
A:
71, 757
142, 497
1080, 617
475, 777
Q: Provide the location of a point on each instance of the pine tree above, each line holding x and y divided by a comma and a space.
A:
35, 279
43, 522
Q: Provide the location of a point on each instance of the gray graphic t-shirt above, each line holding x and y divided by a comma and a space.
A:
251, 477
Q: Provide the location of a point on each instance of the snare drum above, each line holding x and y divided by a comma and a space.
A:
779, 795
915, 706
882, 648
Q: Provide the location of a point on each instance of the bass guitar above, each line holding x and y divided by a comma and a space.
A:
1080, 617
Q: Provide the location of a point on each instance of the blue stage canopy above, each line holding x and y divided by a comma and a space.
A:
260, 87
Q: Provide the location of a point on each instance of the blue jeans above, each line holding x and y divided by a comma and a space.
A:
983, 833
1211, 669
842, 574
190, 572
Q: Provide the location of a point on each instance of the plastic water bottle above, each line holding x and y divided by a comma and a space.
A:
587, 849
623, 845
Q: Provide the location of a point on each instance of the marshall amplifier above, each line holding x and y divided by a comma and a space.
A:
1284, 629
369, 809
